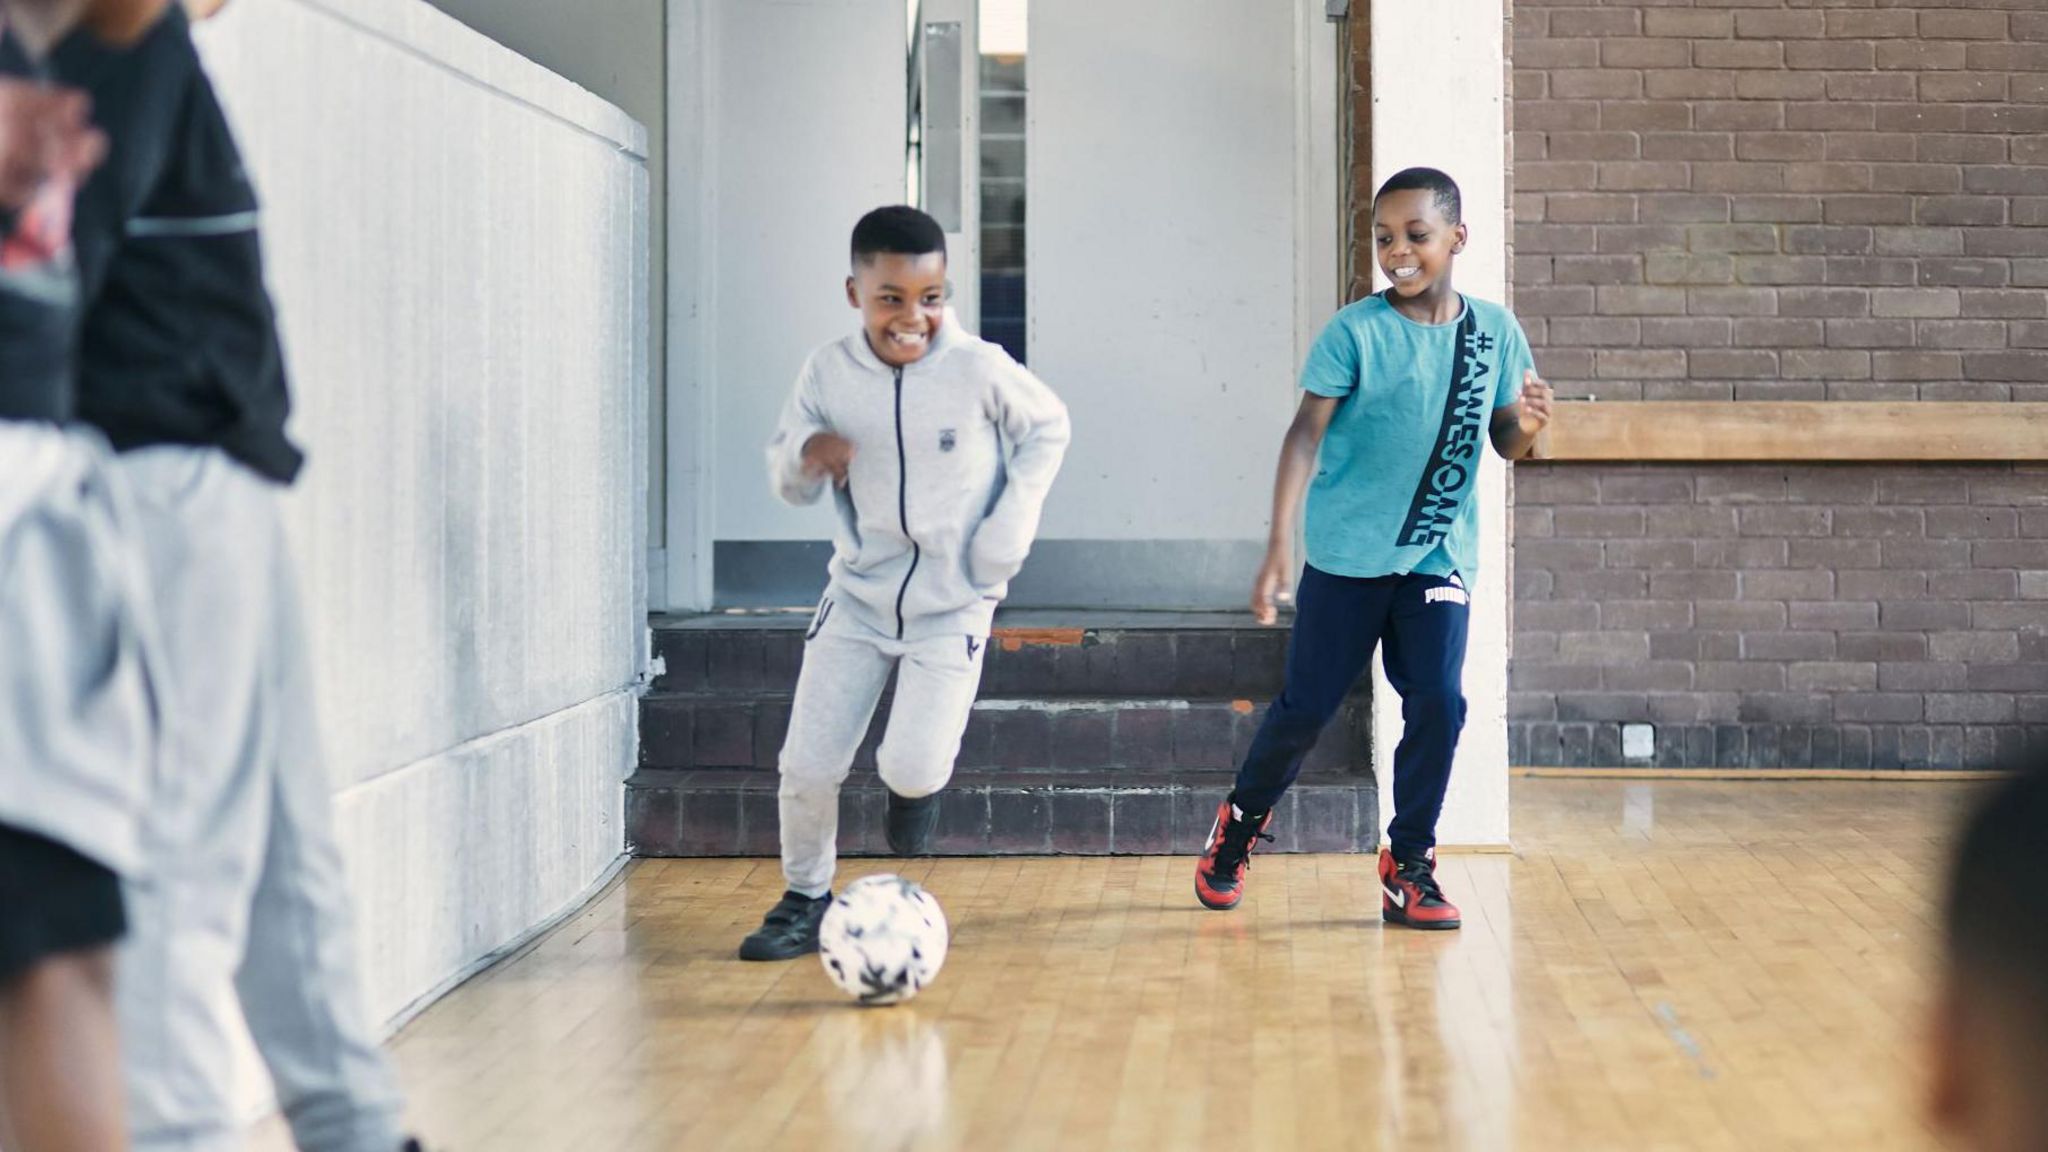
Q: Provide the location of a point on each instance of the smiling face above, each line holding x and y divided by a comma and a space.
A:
1416, 244
902, 302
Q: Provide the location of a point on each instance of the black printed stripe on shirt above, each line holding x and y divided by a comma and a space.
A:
1440, 490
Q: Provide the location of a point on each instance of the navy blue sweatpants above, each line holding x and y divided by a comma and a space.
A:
1337, 623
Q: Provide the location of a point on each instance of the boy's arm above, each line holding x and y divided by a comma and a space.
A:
1290, 482
1522, 402
198, 202
1034, 424
802, 418
1332, 373
44, 132
1516, 426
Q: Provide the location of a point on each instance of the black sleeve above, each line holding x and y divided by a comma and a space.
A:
137, 94
200, 222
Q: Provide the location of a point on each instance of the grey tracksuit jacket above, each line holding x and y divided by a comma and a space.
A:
954, 455
79, 695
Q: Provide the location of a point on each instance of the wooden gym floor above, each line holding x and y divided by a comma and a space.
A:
1658, 965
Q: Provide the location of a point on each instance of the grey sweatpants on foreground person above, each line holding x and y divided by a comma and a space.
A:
241, 892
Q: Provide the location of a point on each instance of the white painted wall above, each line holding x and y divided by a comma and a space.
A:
786, 124
615, 49
458, 242
1162, 282
1442, 108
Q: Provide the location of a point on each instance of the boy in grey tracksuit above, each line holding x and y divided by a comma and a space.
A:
939, 450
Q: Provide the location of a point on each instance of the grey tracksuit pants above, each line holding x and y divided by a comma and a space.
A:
241, 891
846, 664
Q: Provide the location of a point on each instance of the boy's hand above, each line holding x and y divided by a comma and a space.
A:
45, 134
1272, 587
828, 454
1535, 404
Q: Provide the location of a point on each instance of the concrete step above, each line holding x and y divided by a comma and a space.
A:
1109, 736
1146, 812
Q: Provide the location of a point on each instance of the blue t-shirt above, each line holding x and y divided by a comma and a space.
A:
1394, 479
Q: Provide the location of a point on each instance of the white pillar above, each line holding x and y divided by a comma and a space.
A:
1438, 90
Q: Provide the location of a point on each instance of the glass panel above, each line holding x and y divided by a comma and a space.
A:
1004, 94
944, 112
1002, 74
1002, 203
1002, 114
1002, 250
1001, 157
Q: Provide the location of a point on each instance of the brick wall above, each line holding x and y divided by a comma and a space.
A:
1814, 616
1783, 200
1780, 201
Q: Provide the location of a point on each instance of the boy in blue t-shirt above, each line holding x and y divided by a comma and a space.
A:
1398, 387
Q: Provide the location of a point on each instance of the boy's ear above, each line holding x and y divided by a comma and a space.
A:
1464, 234
852, 294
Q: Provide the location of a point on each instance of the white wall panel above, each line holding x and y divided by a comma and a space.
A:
457, 241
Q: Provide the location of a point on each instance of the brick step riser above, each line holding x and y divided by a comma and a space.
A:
1133, 663
697, 732
989, 818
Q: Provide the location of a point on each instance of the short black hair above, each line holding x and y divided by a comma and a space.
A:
898, 229
1439, 185
1997, 914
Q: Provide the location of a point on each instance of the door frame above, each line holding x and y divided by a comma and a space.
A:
681, 562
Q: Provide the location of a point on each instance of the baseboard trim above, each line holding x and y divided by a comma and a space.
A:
1904, 775
506, 951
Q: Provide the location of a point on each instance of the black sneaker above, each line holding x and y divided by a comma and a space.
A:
789, 930
911, 824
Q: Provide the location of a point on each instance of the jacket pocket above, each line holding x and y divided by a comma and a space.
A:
818, 619
169, 477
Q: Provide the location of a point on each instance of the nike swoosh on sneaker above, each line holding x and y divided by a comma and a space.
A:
1399, 897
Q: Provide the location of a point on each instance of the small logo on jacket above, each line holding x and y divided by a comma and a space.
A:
946, 440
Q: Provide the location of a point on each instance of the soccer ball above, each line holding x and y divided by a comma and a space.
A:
883, 939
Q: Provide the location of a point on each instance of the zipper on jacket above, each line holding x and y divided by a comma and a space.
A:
903, 504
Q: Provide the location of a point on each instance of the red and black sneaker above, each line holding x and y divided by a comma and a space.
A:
1409, 895
1219, 878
